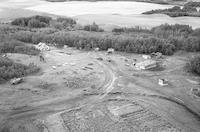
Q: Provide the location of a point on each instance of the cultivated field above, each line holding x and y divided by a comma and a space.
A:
125, 14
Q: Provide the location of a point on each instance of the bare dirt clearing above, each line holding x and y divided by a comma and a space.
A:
75, 92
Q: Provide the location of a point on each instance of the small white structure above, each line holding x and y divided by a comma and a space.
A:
146, 56
96, 49
16, 81
65, 46
163, 82
145, 65
54, 67
42, 47
110, 50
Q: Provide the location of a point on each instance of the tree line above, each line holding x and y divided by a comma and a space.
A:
165, 38
176, 11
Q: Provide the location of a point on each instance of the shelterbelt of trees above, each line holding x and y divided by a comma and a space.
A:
64, 31
18, 36
188, 9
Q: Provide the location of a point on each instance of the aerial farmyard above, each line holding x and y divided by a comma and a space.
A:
99, 66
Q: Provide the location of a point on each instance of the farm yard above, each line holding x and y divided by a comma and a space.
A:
79, 92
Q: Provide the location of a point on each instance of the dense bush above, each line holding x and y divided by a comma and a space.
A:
177, 30
129, 30
10, 69
196, 32
32, 22
63, 23
189, 9
94, 27
191, 44
18, 47
193, 4
87, 40
194, 65
164, 38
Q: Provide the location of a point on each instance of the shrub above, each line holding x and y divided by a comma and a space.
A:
10, 69
34, 23
191, 44
132, 29
63, 23
194, 65
94, 27
18, 47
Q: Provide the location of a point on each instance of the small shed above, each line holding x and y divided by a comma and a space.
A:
163, 82
110, 50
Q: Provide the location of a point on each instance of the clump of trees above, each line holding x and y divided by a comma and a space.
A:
176, 11
32, 22
88, 40
165, 38
10, 69
194, 65
94, 27
44, 21
177, 30
63, 23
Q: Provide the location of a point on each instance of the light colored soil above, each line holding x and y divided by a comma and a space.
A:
108, 96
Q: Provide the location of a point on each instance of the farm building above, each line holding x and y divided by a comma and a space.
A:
145, 65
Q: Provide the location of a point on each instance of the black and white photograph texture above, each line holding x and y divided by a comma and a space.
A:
99, 65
